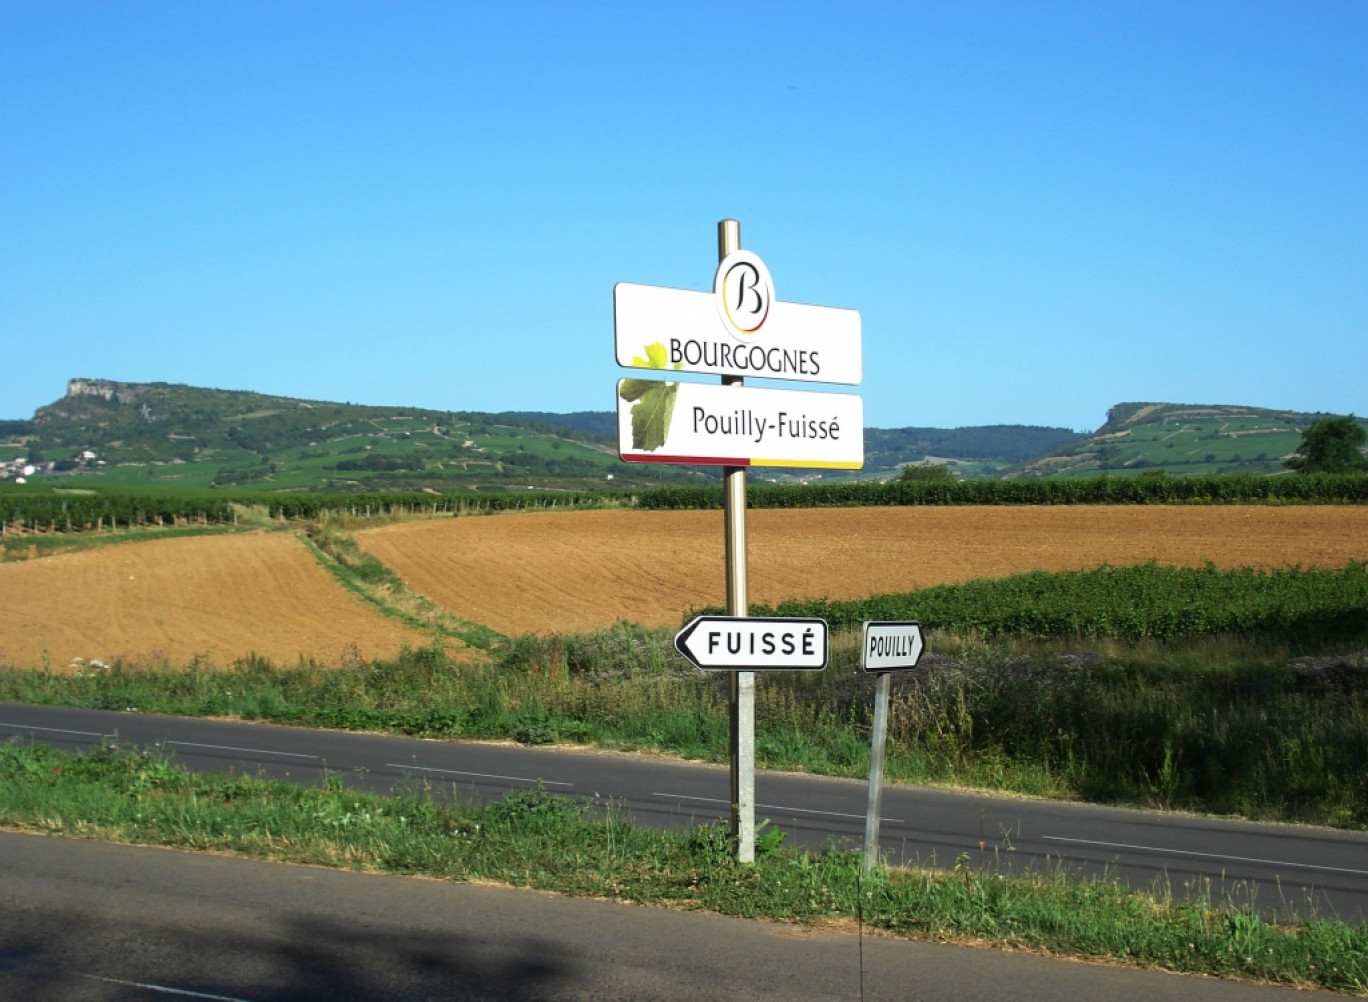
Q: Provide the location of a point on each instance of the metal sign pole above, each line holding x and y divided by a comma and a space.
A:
876, 767
742, 683
884, 647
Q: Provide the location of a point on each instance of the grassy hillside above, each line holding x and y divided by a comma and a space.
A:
105, 433
1181, 438
160, 435
976, 451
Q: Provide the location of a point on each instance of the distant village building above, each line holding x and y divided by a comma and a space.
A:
19, 469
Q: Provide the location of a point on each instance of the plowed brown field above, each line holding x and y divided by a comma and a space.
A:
172, 599
583, 570
223, 597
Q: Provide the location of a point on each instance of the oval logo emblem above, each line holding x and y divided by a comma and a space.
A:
744, 292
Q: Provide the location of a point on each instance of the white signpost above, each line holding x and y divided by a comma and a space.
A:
741, 329
811, 344
886, 647
743, 643
660, 422
891, 646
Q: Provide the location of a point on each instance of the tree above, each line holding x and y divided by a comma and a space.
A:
927, 474
1331, 445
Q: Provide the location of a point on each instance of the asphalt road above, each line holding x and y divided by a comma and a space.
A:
89, 922
1281, 869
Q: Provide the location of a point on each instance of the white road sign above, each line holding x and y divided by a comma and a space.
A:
891, 646
737, 330
675, 422
727, 643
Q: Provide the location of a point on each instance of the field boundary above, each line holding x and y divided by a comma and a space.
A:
370, 580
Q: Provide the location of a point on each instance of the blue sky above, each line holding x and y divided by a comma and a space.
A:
1040, 208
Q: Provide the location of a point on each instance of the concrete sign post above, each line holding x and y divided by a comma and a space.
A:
885, 647
742, 696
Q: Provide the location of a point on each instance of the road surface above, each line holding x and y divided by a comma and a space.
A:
90, 922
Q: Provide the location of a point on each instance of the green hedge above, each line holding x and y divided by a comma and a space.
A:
1128, 603
60, 513
31, 510
1226, 489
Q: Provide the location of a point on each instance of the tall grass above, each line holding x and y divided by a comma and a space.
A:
1280, 740
1222, 726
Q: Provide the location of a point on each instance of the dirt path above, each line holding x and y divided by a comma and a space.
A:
171, 600
583, 570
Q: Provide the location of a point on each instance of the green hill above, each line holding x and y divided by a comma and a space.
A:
982, 450
161, 434
106, 433
165, 434
1180, 439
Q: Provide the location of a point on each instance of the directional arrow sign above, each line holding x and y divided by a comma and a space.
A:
734, 643
891, 646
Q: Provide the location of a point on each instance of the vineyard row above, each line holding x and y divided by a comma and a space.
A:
22, 511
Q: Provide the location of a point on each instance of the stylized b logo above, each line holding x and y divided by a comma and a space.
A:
743, 282
744, 293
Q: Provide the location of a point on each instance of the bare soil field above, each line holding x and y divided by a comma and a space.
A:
560, 572
223, 597
170, 600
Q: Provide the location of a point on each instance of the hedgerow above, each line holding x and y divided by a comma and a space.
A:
24, 510
1293, 604
1226, 489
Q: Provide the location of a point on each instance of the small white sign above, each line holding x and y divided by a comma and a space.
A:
684, 331
730, 643
891, 646
701, 423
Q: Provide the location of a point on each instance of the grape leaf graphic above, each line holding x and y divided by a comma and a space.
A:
651, 412
652, 401
655, 357
633, 389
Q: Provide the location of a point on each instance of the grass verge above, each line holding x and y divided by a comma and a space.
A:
364, 575
576, 847
1217, 727
34, 545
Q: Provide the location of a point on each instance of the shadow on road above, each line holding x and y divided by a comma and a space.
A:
62, 956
